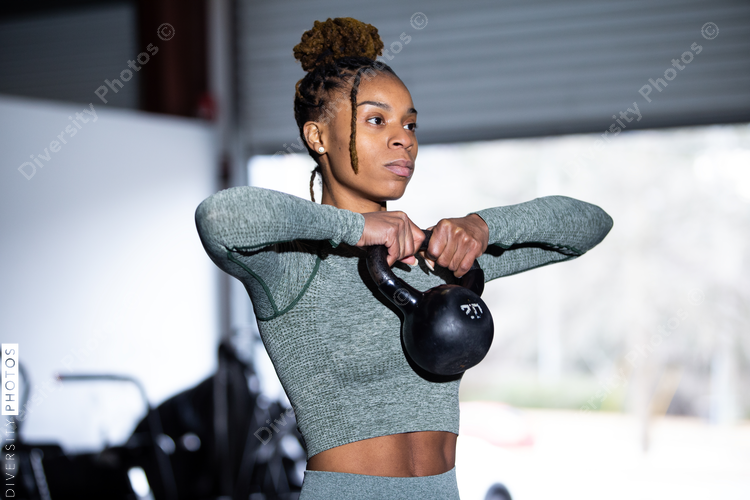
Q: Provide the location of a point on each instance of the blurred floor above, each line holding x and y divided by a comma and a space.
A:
597, 456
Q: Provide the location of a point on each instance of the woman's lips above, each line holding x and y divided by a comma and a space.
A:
403, 168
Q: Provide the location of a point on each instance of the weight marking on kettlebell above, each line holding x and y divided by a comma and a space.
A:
401, 297
472, 308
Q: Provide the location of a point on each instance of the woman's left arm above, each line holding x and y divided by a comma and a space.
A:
520, 237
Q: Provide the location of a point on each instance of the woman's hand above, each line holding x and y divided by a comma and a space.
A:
456, 243
394, 230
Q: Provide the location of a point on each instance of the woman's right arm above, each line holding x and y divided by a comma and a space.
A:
240, 228
244, 219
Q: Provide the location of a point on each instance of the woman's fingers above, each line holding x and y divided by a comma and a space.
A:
398, 245
437, 244
414, 237
394, 230
447, 258
417, 236
456, 243
407, 241
464, 257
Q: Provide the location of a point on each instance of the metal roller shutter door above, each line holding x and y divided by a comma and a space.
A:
485, 70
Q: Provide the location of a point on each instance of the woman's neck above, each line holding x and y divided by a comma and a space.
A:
349, 201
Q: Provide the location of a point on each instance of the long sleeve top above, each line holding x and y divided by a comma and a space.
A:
333, 339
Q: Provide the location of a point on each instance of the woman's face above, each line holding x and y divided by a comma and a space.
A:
386, 143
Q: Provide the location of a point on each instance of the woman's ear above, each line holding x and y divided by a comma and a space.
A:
313, 136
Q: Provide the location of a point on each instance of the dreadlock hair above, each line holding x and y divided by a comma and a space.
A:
335, 54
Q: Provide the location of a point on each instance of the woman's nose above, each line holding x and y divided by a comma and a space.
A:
402, 138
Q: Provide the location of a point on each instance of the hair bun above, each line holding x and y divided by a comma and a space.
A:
337, 38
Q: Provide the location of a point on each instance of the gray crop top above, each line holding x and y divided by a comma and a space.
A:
333, 339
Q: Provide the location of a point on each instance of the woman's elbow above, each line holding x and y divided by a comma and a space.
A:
601, 224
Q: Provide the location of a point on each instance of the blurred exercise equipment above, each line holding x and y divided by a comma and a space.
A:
498, 491
221, 439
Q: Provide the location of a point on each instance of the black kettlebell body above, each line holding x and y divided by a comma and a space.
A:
447, 329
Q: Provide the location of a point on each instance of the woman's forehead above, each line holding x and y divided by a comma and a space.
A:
386, 92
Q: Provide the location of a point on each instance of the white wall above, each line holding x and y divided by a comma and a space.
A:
102, 270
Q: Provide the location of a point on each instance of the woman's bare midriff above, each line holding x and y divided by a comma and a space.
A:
423, 453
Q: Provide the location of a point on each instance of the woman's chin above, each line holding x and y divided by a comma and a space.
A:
392, 195
395, 190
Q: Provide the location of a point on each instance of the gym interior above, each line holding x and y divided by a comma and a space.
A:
140, 370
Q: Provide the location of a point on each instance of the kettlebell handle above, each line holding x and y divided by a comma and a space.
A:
405, 296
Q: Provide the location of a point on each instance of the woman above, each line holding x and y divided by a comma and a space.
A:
374, 427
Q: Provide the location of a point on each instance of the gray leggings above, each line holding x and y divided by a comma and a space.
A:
322, 485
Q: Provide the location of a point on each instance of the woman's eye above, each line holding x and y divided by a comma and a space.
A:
379, 120
411, 126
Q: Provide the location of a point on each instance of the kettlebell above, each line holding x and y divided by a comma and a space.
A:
447, 329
